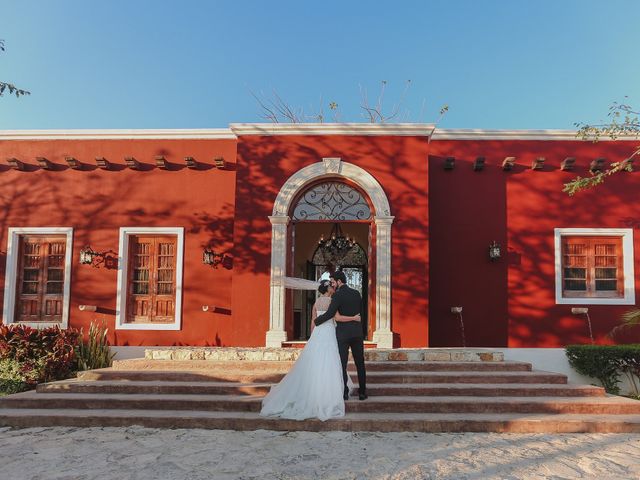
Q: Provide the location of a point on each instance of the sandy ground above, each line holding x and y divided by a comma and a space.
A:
144, 453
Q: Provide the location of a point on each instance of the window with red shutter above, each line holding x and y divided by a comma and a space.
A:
40, 278
592, 267
151, 285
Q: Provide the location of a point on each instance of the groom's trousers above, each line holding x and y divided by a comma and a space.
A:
350, 336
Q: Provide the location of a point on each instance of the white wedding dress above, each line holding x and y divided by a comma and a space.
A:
314, 386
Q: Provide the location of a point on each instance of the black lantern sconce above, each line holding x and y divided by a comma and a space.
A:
90, 257
87, 255
210, 257
494, 251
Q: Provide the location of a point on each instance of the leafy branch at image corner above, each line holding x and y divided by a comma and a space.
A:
10, 87
624, 122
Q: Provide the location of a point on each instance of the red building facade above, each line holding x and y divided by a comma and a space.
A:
150, 203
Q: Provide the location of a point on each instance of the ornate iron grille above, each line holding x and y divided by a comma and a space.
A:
332, 201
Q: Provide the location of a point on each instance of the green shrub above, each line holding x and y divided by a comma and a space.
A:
606, 363
13, 379
95, 352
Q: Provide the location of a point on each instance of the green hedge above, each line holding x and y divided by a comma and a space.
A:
607, 363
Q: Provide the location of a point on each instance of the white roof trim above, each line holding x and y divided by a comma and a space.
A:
369, 129
146, 134
404, 129
479, 134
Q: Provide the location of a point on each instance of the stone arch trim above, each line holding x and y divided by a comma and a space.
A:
331, 168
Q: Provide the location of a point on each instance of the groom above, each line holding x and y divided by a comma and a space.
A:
347, 301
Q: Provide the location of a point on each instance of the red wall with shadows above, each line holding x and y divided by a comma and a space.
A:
444, 223
398, 163
96, 203
512, 302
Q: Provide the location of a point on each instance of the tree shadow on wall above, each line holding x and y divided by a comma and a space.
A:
534, 204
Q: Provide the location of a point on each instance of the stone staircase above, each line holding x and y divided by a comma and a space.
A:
409, 391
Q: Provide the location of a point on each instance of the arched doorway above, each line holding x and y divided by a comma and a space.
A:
379, 260
330, 229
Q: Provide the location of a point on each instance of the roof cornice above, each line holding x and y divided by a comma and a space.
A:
479, 134
377, 129
237, 129
133, 134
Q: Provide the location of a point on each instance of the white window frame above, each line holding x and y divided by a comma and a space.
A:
626, 234
11, 274
123, 275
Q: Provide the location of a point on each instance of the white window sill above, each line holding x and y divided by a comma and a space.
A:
148, 326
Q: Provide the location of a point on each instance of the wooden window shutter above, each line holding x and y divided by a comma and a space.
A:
151, 286
41, 275
592, 267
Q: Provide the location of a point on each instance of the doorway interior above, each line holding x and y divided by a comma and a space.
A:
310, 262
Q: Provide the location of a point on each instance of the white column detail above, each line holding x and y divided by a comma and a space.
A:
383, 335
276, 333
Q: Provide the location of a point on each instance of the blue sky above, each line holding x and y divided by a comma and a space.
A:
193, 64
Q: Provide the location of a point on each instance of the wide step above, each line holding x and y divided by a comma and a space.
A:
372, 376
375, 389
580, 405
381, 422
420, 396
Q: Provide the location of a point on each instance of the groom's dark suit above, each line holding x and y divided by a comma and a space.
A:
348, 302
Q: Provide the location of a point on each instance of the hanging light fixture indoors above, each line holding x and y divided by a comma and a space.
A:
337, 245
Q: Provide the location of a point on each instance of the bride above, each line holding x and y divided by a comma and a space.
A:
314, 386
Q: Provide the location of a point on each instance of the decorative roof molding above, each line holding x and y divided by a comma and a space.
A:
400, 129
236, 129
146, 134
479, 134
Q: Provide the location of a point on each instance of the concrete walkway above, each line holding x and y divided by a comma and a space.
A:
139, 453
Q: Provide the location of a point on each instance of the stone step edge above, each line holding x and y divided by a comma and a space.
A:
374, 422
285, 365
373, 373
605, 400
373, 404
397, 389
487, 386
372, 377
277, 354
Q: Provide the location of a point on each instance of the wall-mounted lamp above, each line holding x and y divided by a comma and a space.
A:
210, 257
494, 251
87, 255
90, 257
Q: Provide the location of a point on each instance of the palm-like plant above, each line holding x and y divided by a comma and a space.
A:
629, 319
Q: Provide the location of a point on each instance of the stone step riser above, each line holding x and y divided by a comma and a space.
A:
396, 425
233, 354
372, 377
352, 406
374, 390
